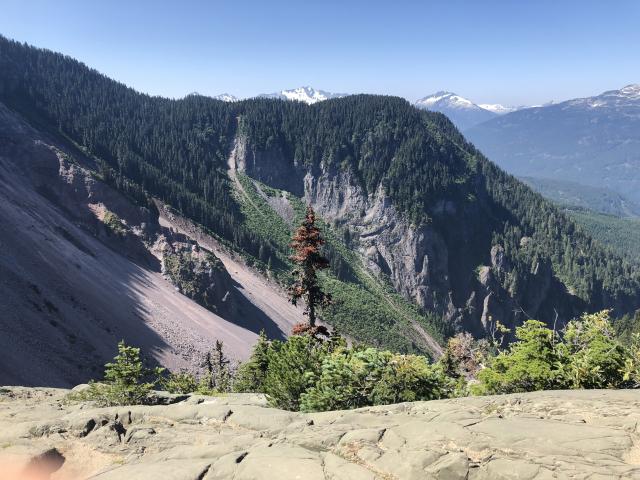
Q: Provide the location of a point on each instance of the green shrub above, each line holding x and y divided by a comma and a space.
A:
409, 378
347, 379
358, 377
293, 367
126, 380
251, 374
626, 326
631, 369
532, 362
588, 355
593, 355
182, 382
114, 224
196, 274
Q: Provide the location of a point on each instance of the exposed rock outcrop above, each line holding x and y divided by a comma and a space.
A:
563, 435
414, 258
431, 264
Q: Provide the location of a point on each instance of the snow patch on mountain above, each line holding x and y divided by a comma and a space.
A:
308, 95
631, 91
628, 96
499, 109
226, 97
448, 99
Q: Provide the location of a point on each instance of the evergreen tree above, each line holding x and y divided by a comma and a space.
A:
533, 362
126, 377
218, 376
126, 380
252, 373
306, 243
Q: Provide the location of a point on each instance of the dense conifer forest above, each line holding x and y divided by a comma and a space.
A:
177, 150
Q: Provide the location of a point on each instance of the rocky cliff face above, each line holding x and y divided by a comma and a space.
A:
414, 258
132, 230
430, 264
543, 435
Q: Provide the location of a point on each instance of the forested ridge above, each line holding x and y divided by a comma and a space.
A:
177, 150
420, 157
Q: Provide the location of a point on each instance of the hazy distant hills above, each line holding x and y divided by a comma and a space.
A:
607, 216
572, 194
594, 141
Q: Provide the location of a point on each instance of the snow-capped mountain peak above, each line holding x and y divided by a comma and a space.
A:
449, 99
226, 97
306, 94
626, 96
631, 91
498, 108
462, 111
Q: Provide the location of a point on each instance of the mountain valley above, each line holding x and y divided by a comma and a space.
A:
592, 141
425, 236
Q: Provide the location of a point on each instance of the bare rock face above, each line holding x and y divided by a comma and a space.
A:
430, 264
563, 435
197, 273
414, 258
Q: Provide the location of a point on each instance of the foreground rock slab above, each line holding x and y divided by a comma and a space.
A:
543, 435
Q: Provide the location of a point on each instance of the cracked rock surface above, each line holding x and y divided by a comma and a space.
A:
543, 435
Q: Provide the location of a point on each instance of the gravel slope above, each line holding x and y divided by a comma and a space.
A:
66, 298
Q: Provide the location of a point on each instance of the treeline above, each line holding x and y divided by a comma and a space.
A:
381, 140
421, 160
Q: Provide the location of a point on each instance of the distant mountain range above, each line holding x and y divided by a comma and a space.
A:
462, 111
308, 95
589, 142
594, 141
226, 97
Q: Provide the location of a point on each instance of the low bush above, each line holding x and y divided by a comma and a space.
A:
126, 380
593, 355
317, 373
114, 224
631, 369
359, 377
252, 373
310, 374
586, 354
293, 367
532, 362
181, 382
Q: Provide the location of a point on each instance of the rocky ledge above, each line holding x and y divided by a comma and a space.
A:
544, 435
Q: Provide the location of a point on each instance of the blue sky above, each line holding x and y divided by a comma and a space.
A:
512, 52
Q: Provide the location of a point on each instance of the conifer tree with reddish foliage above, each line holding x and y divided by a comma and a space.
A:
306, 244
